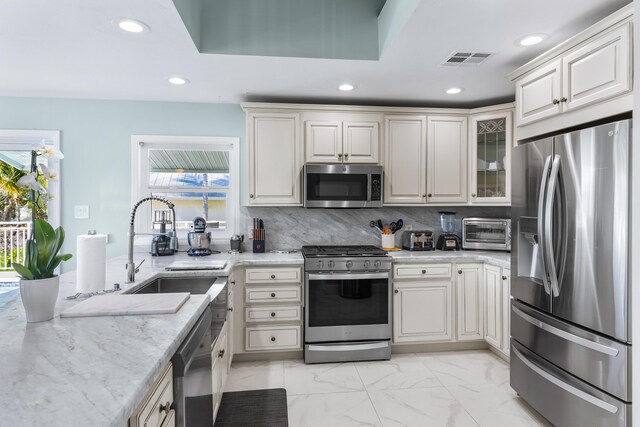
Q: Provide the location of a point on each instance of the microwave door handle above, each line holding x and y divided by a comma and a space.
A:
548, 228
541, 223
369, 187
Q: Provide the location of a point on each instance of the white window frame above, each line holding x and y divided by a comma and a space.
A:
140, 144
27, 140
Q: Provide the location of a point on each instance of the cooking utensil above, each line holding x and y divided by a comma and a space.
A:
374, 224
380, 226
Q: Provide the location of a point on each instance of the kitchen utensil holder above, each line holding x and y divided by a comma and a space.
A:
258, 246
388, 241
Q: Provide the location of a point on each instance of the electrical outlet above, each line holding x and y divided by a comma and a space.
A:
408, 227
81, 211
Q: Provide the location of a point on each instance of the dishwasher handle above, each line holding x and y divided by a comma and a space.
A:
184, 355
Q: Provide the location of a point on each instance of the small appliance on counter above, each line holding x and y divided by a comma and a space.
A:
199, 239
236, 243
161, 243
486, 234
448, 240
418, 240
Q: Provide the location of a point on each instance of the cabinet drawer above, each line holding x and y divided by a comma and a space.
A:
272, 338
272, 314
410, 271
275, 275
273, 294
149, 413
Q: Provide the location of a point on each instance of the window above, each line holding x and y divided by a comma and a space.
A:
199, 175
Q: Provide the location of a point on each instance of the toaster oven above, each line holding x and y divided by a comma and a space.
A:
486, 233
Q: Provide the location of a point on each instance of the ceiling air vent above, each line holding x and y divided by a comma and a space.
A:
465, 59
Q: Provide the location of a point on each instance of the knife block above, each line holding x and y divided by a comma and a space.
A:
258, 246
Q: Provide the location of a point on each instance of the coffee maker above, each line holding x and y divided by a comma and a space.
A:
448, 240
199, 239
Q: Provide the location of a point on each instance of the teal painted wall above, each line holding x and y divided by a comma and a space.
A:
96, 141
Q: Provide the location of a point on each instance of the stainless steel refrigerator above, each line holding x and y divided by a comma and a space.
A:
570, 312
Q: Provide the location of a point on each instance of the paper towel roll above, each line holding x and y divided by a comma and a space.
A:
91, 262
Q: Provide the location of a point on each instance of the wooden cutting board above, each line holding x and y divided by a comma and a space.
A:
128, 305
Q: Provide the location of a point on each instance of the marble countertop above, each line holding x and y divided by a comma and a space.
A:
94, 371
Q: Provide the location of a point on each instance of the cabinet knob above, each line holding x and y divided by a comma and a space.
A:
424, 196
273, 339
221, 353
346, 157
504, 277
273, 276
273, 314
273, 294
563, 99
424, 271
473, 195
555, 101
459, 271
395, 291
251, 196
429, 195
230, 308
166, 407
233, 282
340, 155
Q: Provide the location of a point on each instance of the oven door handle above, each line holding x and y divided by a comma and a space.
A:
348, 276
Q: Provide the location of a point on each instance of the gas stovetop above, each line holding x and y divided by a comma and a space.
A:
342, 251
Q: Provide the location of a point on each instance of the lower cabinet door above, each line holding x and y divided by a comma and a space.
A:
170, 419
493, 303
422, 311
470, 306
506, 309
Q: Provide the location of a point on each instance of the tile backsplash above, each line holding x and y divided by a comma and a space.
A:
293, 227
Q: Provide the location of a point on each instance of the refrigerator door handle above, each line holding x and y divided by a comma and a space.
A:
542, 198
550, 263
566, 335
563, 385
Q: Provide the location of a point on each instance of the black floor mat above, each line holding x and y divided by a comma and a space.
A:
256, 408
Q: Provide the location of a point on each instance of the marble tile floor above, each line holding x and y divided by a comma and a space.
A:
453, 389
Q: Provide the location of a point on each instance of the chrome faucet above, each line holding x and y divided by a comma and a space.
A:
132, 269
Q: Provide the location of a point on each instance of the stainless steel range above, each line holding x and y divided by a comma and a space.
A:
347, 303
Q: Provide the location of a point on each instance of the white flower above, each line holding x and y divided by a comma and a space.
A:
49, 174
52, 152
30, 182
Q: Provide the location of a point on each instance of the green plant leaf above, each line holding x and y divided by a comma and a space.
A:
22, 271
55, 248
45, 240
57, 260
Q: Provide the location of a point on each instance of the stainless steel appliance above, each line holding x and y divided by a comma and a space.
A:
448, 239
347, 303
192, 376
199, 239
570, 313
486, 233
418, 240
342, 186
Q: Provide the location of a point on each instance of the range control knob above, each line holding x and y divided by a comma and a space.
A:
320, 265
349, 264
376, 264
331, 264
366, 265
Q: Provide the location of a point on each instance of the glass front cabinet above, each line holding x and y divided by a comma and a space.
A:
490, 156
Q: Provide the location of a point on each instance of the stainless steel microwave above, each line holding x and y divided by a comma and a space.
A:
486, 233
342, 186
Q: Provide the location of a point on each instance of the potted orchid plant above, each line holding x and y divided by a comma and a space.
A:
39, 284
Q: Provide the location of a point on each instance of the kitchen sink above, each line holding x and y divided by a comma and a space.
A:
165, 285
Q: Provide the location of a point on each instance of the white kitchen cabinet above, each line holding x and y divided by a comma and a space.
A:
538, 94
493, 304
446, 159
155, 408
335, 141
506, 310
405, 164
422, 311
490, 159
219, 368
470, 302
275, 158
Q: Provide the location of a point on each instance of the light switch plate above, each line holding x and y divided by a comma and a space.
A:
81, 212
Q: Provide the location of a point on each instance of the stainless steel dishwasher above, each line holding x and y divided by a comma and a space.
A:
192, 381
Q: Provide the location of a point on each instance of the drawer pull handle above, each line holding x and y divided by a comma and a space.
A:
273, 314
424, 271
233, 282
221, 353
166, 407
273, 339
273, 294
273, 276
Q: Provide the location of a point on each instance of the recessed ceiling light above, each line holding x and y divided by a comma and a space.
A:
178, 81
346, 87
454, 90
132, 26
531, 40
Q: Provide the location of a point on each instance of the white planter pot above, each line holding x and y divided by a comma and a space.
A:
39, 298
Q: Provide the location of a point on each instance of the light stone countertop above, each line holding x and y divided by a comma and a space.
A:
94, 371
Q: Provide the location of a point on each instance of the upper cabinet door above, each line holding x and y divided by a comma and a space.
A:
405, 159
447, 159
598, 70
275, 159
361, 142
538, 94
490, 159
323, 140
